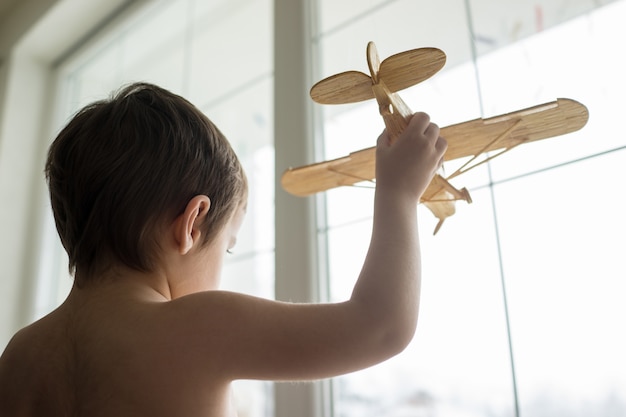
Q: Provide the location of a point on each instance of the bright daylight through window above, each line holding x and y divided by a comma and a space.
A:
529, 258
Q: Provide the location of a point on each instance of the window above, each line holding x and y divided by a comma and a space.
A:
521, 289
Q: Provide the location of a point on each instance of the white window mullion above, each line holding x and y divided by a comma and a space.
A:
296, 249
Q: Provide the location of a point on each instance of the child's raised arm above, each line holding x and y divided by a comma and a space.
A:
261, 339
389, 282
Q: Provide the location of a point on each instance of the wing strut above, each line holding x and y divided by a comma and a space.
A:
471, 165
347, 174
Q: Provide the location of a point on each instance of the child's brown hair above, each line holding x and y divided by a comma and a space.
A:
125, 166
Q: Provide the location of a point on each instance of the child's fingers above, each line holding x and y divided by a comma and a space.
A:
441, 144
383, 139
432, 131
440, 163
419, 123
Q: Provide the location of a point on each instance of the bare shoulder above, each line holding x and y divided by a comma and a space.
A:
33, 369
256, 338
11, 364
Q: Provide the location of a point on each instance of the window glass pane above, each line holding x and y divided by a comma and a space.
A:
585, 69
398, 26
502, 22
100, 73
347, 246
460, 362
232, 47
245, 116
154, 49
335, 14
250, 273
563, 261
150, 49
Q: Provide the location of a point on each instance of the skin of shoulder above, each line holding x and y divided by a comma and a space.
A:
29, 367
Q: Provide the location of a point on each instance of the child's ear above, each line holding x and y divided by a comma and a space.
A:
187, 226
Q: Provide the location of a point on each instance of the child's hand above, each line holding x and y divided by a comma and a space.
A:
406, 166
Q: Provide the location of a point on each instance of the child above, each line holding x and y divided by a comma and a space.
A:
147, 197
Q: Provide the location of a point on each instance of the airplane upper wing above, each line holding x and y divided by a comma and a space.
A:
400, 70
470, 138
346, 87
534, 123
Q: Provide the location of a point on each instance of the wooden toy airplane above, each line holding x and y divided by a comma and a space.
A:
469, 139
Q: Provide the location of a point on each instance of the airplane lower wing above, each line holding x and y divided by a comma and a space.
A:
467, 139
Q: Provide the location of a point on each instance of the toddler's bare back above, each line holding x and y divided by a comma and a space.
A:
99, 356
